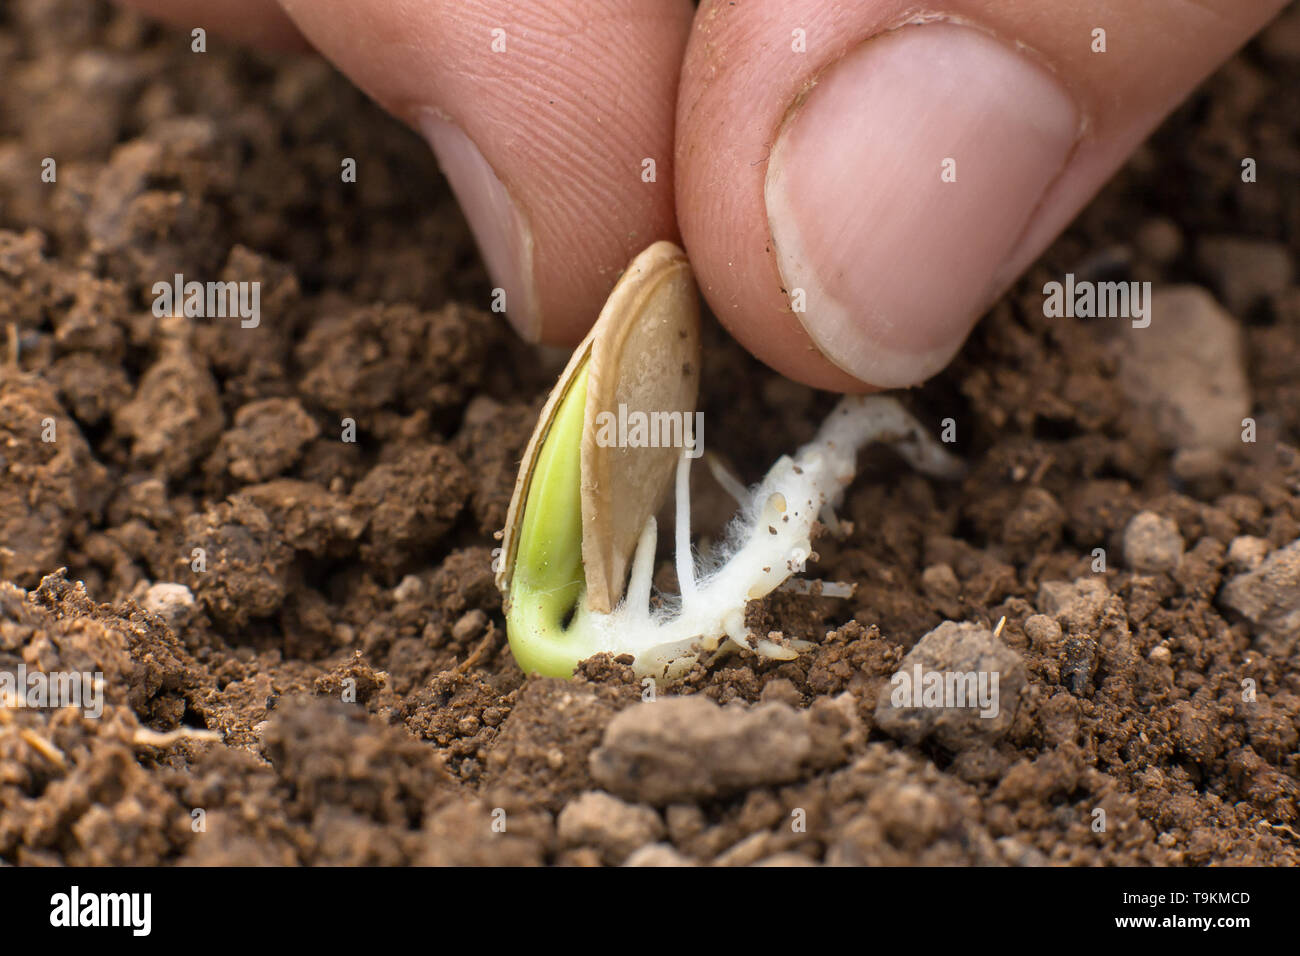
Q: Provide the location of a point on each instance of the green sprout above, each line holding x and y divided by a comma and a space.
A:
548, 580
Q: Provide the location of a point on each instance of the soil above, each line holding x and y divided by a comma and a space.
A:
342, 633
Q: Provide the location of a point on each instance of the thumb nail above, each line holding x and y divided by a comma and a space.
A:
901, 183
504, 238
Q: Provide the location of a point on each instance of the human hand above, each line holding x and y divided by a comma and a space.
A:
854, 186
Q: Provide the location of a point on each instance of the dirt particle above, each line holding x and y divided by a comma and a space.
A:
688, 747
954, 656
237, 565
613, 827
1152, 544
266, 439
658, 854
409, 503
49, 489
1245, 271
172, 602
1269, 597
1187, 370
175, 417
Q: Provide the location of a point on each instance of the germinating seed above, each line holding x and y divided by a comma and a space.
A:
583, 507
642, 357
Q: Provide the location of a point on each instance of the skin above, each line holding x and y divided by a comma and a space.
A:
587, 89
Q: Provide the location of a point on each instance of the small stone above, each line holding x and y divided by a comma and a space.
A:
1018, 853
1269, 597
1247, 552
582, 856
174, 603
689, 748
940, 584
615, 828
1187, 370
940, 580
658, 854
1074, 605
469, 625
408, 589
1044, 634
747, 852
971, 664
1152, 544
1160, 655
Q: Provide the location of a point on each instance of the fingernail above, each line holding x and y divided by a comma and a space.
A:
894, 262
504, 238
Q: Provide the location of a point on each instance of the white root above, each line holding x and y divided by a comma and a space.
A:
769, 540
726, 478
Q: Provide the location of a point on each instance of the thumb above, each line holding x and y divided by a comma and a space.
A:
893, 173
552, 120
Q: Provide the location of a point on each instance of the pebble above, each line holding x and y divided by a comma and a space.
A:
747, 852
1044, 634
658, 854
690, 748
1247, 552
408, 589
941, 581
1187, 370
607, 823
1152, 544
1075, 605
469, 625
1020, 853
962, 649
1269, 597
174, 603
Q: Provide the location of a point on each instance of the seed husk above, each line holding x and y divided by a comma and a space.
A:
643, 354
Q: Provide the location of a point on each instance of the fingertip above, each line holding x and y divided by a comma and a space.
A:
942, 141
856, 184
503, 234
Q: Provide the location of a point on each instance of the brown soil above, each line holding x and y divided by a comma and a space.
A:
363, 570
